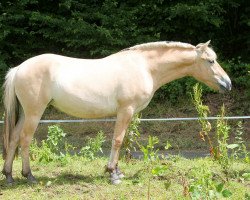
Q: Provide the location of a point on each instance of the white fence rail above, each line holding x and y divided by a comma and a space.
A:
142, 120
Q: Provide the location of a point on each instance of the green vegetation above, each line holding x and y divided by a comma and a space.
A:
131, 137
31, 27
56, 147
219, 151
53, 148
93, 147
239, 149
151, 160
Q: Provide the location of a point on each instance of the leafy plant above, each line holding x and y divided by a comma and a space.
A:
131, 137
203, 112
53, 148
43, 153
222, 132
202, 186
240, 72
55, 138
151, 158
149, 151
218, 152
93, 147
239, 150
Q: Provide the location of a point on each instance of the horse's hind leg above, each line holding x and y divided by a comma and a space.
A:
30, 125
7, 169
22, 133
33, 113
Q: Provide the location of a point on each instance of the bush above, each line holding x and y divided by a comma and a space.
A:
239, 72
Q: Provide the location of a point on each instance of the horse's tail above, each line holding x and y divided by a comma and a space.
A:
11, 106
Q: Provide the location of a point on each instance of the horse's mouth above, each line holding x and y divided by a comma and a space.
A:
224, 85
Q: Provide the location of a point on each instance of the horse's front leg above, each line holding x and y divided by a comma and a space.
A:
124, 117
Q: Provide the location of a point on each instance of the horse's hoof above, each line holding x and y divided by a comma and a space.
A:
9, 180
115, 180
31, 179
119, 173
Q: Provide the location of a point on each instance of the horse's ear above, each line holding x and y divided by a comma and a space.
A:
203, 46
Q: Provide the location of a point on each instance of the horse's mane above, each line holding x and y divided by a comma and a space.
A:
152, 45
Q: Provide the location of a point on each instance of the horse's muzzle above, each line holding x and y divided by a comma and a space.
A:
225, 84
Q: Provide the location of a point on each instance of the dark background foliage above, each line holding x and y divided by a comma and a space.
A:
97, 28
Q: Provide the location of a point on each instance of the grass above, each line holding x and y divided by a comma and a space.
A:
85, 179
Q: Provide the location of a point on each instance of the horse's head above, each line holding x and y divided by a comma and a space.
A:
208, 70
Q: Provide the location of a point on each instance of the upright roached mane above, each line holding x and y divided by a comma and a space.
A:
162, 44
120, 85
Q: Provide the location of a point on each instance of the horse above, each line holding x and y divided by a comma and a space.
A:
118, 85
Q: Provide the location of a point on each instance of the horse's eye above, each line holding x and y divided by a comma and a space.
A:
211, 61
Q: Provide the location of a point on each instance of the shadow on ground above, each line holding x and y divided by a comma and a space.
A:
62, 179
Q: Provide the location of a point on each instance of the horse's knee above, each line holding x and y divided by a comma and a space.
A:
117, 143
25, 141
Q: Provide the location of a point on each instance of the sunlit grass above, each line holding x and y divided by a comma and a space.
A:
81, 178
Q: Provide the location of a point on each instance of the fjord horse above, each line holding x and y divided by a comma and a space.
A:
120, 85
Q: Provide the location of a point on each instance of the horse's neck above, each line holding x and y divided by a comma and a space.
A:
166, 66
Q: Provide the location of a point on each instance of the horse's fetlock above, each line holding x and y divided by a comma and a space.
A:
25, 174
109, 169
6, 172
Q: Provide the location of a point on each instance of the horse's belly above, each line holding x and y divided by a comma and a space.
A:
84, 107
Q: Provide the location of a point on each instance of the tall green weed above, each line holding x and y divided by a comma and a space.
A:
93, 147
131, 137
219, 151
151, 159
